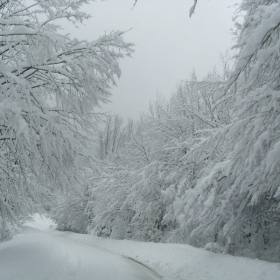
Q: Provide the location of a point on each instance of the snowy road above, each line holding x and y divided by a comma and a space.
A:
42, 253
39, 255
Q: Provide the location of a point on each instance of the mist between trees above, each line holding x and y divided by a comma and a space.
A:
202, 168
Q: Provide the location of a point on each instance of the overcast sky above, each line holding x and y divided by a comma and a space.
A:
168, 44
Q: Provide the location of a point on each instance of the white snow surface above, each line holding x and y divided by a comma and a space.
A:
41, 252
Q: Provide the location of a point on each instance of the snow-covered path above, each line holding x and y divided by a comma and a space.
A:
38, 255
42, 253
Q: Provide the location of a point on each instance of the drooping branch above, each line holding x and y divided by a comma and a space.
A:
192, 9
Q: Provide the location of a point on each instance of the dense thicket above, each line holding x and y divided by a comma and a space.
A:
204, 167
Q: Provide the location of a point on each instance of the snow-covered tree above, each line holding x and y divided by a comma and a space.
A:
236, 201
158, 158
255, 160
110, 137
50, 86
204, 168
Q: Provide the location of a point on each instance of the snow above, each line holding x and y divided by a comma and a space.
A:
255, 40
41, 252
183, 262
277, 192
273, 157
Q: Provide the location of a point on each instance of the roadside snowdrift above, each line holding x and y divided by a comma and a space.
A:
184, 262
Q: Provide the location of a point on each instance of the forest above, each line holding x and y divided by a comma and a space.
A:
202, 168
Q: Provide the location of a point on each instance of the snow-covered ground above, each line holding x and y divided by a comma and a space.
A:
41, 252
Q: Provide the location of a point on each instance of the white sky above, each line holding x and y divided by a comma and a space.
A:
168, 44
